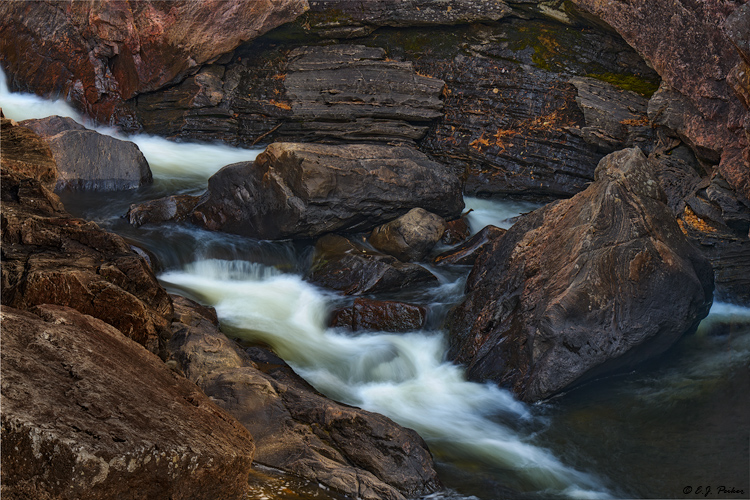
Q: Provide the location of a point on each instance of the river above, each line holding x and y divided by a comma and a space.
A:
676, 423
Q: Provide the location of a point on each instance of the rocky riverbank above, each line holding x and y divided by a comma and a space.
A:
376, 120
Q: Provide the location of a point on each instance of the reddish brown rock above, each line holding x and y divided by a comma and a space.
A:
25, 155
582, 287
88, 413
50, 257
99, 53
172, 208
684, 41
456, 231
383, 315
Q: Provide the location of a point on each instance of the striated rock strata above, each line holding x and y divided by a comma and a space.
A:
582, 287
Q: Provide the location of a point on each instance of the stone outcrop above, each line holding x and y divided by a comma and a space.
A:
684, 41
88, 160
352, 268
338, 92
582, 287
410, 237
307, 190
25, 155
51, 257
381, 315
88, 413
352, 451
101, 53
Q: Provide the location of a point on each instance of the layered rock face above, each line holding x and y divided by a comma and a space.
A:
100, 53
306, 190
339, 92
582, 287
88, 413
296, 429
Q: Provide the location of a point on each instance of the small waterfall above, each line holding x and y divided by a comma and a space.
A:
402, 376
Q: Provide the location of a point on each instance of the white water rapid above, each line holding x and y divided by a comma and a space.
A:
402, 376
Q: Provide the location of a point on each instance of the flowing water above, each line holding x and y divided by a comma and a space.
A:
677, 423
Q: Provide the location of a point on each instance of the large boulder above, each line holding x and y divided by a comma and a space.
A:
686, 43
51, 257
582, 287
411, 236
296, 429
307, 190
88, 160
88, 413
341, 264
100, 53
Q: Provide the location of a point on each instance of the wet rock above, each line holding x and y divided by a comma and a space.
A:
172, 208
456, 231
468, 252
353, 18
88, 160
410, 237
341, 264
615, 118
582, 287
306, 190
340, 92
684, 41
25, 155
381, 315
50, 257
88, 413
295, 428
101, 53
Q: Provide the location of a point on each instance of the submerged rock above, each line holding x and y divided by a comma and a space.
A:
306, 190
88, 160
171, 208
296, 429
382, 315
88, 413
411, 236
341, 264
582, 287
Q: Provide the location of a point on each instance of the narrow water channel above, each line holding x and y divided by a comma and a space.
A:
674, 425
